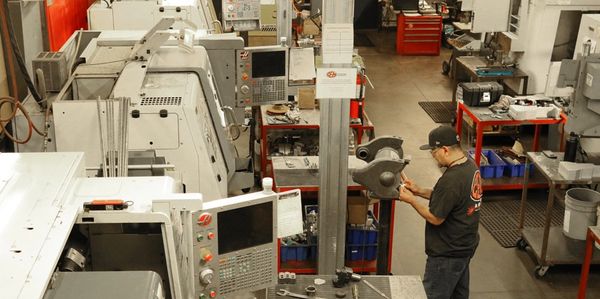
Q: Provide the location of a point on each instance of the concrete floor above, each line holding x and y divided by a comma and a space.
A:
400, 82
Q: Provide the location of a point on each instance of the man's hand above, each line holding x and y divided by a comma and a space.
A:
411, 186
415, 189
406, 195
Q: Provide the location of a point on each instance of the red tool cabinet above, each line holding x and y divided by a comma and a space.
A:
418, 35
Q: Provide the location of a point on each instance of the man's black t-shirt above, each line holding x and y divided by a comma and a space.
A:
456, 197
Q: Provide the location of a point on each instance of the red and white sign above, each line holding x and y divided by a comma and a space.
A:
336, 83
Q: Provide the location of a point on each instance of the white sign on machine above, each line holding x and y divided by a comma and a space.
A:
338, 43
336, 83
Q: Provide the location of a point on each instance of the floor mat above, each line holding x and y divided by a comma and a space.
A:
362, 40
440, 112
501, 218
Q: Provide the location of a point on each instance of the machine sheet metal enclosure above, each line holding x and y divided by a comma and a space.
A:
172, 234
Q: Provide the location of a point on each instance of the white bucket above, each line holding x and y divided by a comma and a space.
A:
581, 207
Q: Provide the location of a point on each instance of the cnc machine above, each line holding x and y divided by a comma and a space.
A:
173, 104
63, 235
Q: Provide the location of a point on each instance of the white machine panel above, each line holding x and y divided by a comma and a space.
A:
100, 17
34, 215
134, 15
490, 16
78, 118
152, 131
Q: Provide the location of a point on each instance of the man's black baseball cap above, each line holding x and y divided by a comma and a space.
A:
441, 136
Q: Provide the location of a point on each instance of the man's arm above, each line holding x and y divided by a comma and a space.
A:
416, 190
408, 197
423, 192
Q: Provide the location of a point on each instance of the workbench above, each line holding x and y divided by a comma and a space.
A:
468, 66
562, 250
483, 116
309, 120
292, 172
395, 287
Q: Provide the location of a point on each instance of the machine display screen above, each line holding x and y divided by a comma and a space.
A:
268, 64
245, 227
405, 4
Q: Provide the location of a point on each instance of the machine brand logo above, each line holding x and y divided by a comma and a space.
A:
331, 74
244, 55
476, 194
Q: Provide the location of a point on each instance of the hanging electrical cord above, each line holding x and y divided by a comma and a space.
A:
17, 106
9, 55
9, 30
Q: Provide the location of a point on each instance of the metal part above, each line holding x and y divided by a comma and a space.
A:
354, 292
102, 143
344, 276
372, 287
311, 290
206, 276
382, 175
286, 293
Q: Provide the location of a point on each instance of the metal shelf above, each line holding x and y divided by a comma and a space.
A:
310, 267
536, 181
561, 249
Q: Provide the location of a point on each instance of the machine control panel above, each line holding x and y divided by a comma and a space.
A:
241, 15
262, 75
235, 246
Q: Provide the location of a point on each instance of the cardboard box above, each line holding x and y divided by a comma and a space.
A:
358, 206
306, 98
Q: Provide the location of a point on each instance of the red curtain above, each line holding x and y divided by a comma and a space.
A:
65, 17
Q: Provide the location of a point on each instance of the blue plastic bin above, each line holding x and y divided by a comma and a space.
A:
496, 167
357, 236
353, 253
361, 252
283, 254
300, 252
361, 243
371, 253
516, 170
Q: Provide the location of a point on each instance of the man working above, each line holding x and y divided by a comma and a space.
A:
451, 231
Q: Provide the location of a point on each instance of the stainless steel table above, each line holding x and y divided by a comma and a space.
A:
395, 287
562, 250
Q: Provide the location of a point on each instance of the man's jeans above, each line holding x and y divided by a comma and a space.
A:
447, 278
